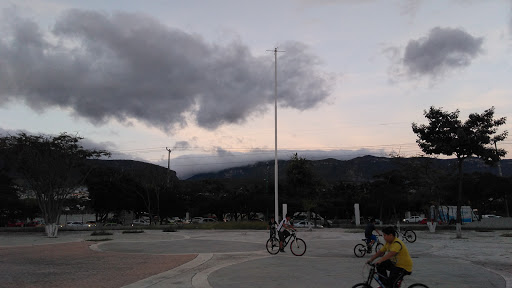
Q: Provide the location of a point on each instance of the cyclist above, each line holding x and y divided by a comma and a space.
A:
272, 224
395, 258
282, 231
368, 233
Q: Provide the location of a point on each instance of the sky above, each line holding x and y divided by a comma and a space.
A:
140, 78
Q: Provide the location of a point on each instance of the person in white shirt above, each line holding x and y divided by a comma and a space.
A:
282, 231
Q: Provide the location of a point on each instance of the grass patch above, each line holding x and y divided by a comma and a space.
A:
170, 229
506, 235
99, 239
101, 233
133, 231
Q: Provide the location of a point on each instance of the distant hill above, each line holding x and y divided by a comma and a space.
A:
128, 165
357, 169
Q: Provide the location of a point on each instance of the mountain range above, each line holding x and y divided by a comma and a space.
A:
354, 170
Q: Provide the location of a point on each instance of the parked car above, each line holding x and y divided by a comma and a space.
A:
111, 224
425, 220
90, 223
74, 224
35, 223
196, 220
15, 224
140, 222
305, 224
490, 216
413, 219
207, 220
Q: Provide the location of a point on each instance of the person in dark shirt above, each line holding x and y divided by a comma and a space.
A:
272, 224
368, 233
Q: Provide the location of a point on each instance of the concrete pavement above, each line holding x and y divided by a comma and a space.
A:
239, 258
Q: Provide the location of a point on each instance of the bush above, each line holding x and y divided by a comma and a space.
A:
100, 233
133, 231
98, 240
231, 225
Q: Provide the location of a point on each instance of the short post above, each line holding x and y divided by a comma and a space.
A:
356, 214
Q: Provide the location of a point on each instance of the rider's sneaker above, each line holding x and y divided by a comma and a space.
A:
369, 250
281, 250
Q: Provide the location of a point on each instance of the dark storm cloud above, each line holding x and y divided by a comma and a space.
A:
442, 50
124, 66
181, 145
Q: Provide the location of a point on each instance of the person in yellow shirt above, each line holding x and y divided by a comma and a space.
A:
395, 258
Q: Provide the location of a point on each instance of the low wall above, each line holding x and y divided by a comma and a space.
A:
491, 223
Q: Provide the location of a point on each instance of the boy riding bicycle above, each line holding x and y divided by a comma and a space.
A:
368, 233
282, 231
395, 259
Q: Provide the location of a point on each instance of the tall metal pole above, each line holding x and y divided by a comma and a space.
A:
276, 181
168, 165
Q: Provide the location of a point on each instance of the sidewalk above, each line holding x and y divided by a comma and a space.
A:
212, 258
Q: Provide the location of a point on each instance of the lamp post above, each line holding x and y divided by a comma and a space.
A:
276, 181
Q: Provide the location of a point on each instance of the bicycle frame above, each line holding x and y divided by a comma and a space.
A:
297, 245
375, 275
375, 243
289, 238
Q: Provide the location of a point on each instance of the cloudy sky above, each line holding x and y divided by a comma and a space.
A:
197, 77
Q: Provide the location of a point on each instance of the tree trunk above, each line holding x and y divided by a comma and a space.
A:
459, 201
51, 230
506, 206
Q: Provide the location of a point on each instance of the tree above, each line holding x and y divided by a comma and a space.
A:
111, 191
50, 167
10, 204
153, 180
303, 183
446, 134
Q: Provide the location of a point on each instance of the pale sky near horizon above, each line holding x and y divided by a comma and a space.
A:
135, 77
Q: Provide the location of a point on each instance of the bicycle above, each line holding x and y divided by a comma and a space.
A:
375, 275
408, 235
361, 249
297, 245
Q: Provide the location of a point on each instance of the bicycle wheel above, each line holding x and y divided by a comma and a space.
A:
418, 285
410, 236
362, 285
360, 250
377, 247
273, 246
298, 247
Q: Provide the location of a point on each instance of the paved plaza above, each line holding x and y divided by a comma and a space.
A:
238, 258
